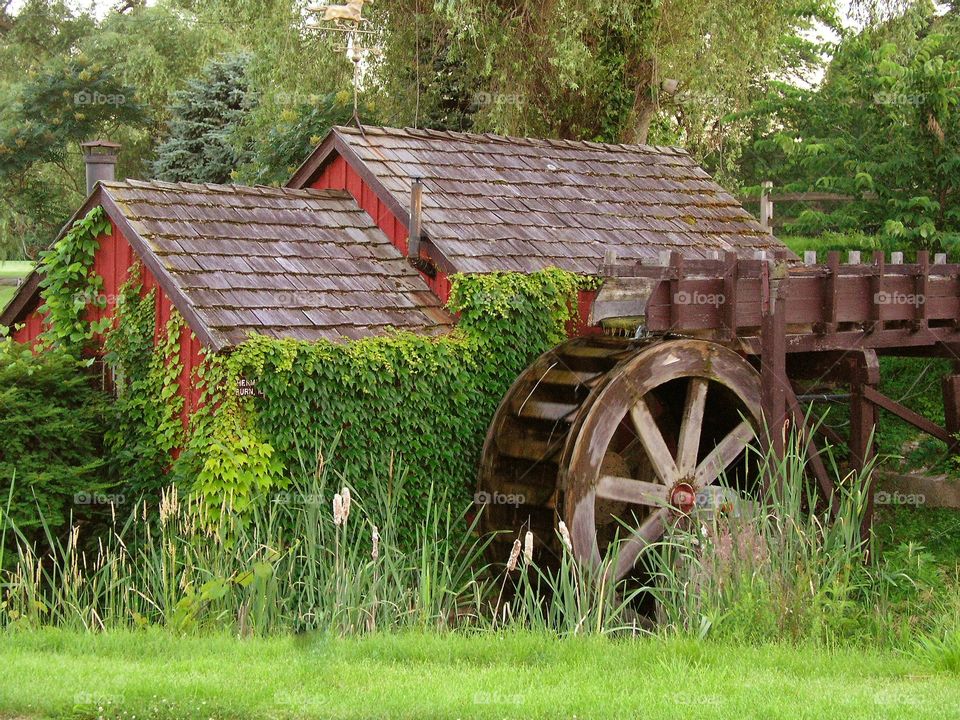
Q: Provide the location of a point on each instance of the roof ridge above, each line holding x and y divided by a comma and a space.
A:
429, 133
233, 188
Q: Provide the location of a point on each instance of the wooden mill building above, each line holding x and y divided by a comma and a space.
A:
368, 231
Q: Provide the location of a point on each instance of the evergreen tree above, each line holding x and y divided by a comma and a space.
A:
203, 120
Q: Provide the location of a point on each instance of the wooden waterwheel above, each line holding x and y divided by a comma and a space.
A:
619, 439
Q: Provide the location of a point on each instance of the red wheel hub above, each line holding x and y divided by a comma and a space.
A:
683, 497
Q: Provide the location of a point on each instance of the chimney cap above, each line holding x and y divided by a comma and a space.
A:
100, 147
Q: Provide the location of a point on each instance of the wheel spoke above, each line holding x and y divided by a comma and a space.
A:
691, 425
650, 531
638, 492
652, 440
726, 451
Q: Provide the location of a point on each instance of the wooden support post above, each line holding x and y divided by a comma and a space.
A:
766, 206
731, 271
878, 295
830, 295
676, 298
773, 354
921, 284
951, 408
864, 373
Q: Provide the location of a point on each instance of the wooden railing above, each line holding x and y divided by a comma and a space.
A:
768, 200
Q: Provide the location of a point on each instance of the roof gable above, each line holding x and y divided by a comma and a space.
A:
497, 203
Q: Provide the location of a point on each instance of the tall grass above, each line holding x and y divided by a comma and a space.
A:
783, 566
289, 566
777, 565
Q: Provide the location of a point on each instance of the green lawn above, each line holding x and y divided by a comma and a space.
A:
12, 268
157, 675
15, 268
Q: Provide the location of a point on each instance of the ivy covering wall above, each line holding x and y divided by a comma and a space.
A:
271, 409
370, 406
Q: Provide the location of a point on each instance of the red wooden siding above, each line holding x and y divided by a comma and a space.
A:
112, 262
339, 175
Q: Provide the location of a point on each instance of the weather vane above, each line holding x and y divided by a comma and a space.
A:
348, 20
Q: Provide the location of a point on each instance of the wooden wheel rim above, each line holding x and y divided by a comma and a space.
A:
625, 393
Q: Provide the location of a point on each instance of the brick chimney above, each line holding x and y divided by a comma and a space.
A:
100, 157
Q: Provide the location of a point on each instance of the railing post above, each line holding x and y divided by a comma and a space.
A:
773, 355
766, 206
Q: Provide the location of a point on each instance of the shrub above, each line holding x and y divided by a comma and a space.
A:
52, 422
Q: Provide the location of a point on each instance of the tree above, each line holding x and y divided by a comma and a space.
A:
204, 118
884, 126
585, 69
44, 121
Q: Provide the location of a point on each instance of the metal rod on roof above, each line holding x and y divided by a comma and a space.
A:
416, 212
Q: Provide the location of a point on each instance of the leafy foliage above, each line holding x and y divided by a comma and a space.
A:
884, 127
370, 403
586, 69
147, 427
287, 144
43, 120
52, 421
69, 284
205, 116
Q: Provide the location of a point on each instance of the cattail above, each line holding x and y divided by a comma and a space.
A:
345, 494
528, 547
338, 510
375, 538
169, 504
565, 536
514, 556
320, 463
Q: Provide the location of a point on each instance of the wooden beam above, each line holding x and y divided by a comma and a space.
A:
799, 419
906, 414
951, 409
773, 358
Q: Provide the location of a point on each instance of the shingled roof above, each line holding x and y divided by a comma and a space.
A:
305, 264
499, 203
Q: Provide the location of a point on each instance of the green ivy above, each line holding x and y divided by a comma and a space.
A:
69, 285
147, 428
371, 404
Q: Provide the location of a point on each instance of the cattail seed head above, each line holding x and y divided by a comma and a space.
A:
345, 494
514, 556
375, 538
565, 536
338, 510
528, 547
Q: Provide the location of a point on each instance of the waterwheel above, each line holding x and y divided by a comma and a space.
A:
618, 438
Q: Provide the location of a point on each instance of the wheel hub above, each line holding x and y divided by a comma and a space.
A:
683, 497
